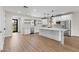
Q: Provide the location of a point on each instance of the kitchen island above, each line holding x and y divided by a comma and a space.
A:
53, 33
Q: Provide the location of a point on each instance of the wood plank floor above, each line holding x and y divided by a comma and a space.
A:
36, 43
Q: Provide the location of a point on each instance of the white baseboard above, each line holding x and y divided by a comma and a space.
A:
74, 35
8, 35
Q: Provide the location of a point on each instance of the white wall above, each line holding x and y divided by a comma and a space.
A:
75, 24
2, 26
8, 25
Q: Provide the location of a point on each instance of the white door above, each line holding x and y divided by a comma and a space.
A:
27, 27
2, 23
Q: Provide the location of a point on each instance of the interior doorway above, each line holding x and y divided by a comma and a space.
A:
15, 25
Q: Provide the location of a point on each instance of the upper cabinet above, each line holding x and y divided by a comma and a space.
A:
62, 18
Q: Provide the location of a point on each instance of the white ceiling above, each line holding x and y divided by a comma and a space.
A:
38, 11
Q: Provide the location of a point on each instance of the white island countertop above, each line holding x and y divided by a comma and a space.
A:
54, 28
53, 33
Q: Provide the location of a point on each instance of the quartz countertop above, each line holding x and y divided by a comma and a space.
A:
53, 28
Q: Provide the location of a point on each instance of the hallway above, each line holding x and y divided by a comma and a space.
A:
36, 43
